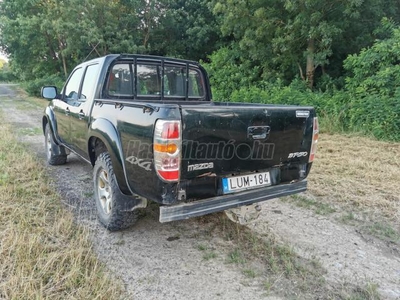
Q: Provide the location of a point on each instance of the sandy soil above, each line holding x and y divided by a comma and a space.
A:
162, 261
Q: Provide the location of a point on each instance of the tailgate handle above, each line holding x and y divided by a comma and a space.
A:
258, 132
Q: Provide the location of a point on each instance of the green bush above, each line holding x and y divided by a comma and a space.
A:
6, 76
376, 115
374, 86
369, 103
331, 107
228, 71
33, 87
339, 111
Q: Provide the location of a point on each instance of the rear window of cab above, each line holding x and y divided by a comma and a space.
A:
152, 81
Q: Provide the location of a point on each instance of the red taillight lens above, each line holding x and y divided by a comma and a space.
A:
314, 140
171, 130
169, 175
167, 149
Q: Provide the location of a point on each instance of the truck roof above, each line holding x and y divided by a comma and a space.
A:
142, 57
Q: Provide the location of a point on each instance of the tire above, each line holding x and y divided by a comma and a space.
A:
108, 196
55, 154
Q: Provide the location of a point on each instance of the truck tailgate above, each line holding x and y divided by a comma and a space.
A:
230, 139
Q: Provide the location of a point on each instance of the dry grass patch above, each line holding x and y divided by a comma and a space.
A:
358, 171
271, 264
274, 265
43, 253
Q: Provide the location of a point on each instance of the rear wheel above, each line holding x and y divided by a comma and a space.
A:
107, 195
55, 154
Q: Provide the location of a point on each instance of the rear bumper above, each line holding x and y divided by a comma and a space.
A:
220, 203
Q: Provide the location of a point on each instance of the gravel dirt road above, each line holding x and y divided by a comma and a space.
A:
163, 261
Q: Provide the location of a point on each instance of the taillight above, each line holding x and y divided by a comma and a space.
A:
314, 140
167, 149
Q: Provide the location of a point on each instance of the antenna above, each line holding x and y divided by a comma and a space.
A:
94, 49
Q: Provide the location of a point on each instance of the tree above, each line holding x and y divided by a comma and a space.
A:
186, 28
373, 85
46, 37
376, 69
289, 37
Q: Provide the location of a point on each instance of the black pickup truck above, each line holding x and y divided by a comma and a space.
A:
151, 131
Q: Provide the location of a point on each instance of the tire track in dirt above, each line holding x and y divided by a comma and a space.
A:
340, 249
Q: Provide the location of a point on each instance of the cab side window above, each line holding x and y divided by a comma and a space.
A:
196, 86
71, 90
148, 80
175, 81
120, 82
89, 83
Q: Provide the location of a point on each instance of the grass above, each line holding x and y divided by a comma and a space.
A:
236, 257
318, 207
43, 253
367, 292
276, 263
30, 131
209, 255
202, 247
357, 172
377, 228
358, 177
273, 264
88, 194
383, 230
22, 101
348, 218
250, 273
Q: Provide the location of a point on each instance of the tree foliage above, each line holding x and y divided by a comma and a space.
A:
289, 38
187, 29
5, 72
376, 69
374, 85
49, 37
228, 72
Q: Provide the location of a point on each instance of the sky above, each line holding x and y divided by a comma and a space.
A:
2, 56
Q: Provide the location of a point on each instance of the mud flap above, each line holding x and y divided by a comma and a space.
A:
130, 203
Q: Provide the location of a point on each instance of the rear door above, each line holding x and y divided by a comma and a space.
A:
80, 109
227, 139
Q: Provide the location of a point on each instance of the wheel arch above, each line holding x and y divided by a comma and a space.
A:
103, 136
49, 118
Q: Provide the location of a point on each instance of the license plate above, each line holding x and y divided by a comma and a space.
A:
250, 181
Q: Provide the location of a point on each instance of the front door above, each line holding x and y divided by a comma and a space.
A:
63, 108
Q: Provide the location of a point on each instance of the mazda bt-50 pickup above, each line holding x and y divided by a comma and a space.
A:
151, 131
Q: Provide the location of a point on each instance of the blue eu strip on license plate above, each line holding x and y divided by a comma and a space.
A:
245, 182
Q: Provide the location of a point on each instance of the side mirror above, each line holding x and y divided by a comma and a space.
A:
49, 92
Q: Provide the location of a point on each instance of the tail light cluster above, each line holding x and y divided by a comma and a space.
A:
314, 140
167, 149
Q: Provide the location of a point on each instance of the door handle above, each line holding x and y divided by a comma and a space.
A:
258, 132
67, 111
81, 115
